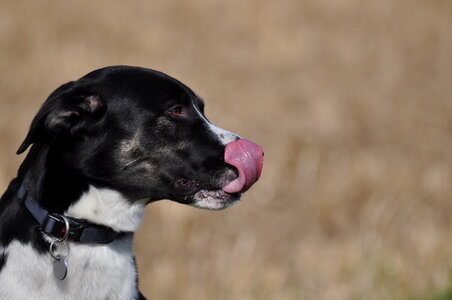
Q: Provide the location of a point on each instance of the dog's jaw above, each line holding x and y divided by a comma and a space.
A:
214, 199
109, 208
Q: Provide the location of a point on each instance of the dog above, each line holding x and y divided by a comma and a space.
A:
102, 148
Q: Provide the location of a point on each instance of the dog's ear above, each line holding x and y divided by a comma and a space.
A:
68, 111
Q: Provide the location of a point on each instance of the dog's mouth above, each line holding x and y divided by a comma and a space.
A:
206, 197
245, 160
186, 187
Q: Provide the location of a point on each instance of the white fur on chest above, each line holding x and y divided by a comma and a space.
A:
94, 272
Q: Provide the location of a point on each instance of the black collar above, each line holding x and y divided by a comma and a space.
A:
54, 224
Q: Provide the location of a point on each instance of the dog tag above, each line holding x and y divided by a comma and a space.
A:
60, 267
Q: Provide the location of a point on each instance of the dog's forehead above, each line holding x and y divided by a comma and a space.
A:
147, 88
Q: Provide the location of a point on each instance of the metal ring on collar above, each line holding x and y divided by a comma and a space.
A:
57, 242
67, 229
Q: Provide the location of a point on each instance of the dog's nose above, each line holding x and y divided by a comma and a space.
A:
248, 158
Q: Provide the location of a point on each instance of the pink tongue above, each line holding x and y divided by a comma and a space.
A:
247, 157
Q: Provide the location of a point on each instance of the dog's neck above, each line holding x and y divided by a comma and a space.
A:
109, 208
52, 187
59, 191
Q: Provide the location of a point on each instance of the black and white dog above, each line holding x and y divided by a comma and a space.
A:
103, 147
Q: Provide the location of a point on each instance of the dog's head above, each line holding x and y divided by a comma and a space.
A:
144, 134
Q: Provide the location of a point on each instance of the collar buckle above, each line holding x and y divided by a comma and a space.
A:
58, 226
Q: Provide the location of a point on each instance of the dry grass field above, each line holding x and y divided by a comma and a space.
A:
351, 100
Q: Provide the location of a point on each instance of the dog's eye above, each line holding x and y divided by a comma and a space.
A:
176, 111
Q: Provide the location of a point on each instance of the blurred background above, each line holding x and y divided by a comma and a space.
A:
350, 99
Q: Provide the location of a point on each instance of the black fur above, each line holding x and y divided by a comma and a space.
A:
130, 129
3, 258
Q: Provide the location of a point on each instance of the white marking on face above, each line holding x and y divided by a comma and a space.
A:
224, 136
110, 208
95, 271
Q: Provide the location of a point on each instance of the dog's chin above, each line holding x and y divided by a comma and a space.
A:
214, 199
